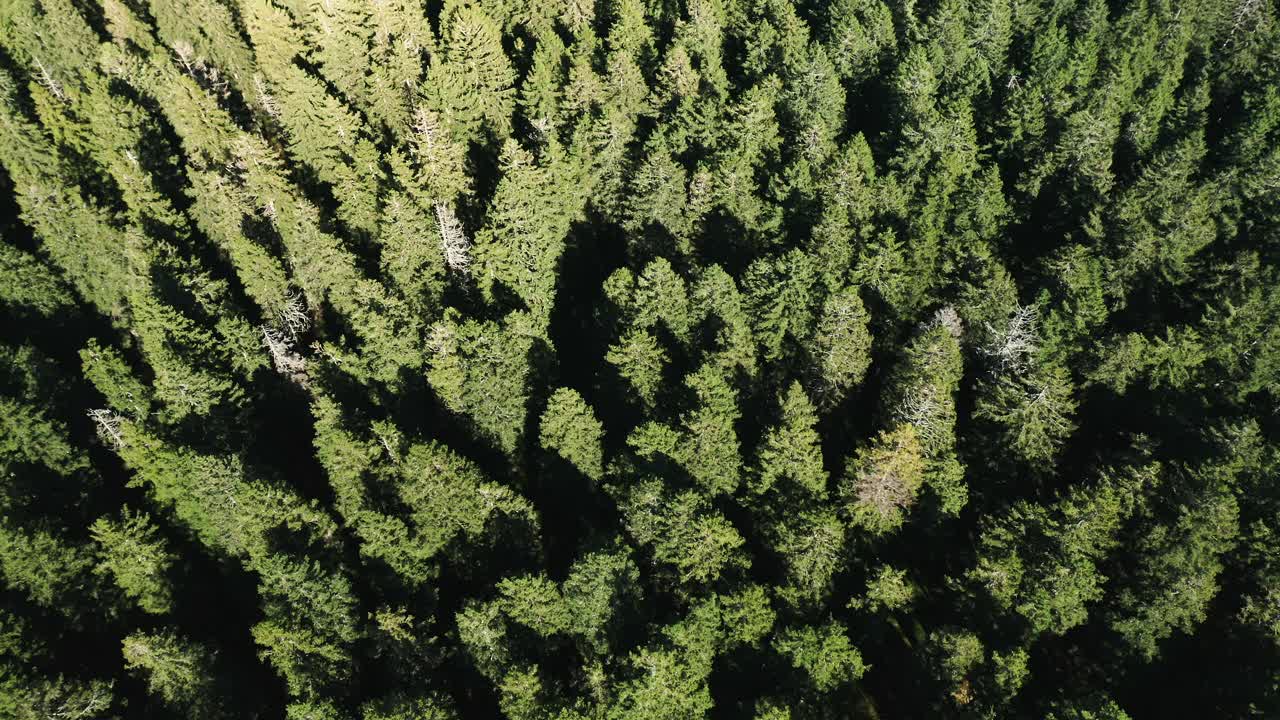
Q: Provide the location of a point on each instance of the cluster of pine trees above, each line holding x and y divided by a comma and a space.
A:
639, 359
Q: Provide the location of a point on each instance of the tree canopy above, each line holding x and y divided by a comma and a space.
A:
639, 359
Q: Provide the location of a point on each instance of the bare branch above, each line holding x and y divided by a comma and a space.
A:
108, 424
47, 80
1013, 345
453, 239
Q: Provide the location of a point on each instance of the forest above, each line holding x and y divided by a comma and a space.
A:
639, 359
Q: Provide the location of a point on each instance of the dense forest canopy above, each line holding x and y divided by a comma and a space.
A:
639, 359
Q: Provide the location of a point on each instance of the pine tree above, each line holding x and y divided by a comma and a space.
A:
322, 132
1042, 561
520, 244
29, 286
176, 671
823, 653
791, 451
781, 301
470, 81
570, 428
923, 396
136, 559
706, 445
480, 370
841, 347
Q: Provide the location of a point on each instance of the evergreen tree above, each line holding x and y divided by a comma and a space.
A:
176, 671
136, 559
570, 428
791, 451
490, 359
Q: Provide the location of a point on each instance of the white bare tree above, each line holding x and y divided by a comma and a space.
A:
292, 316
286, 360
1246, 13
948, 318
430, 142
453, 239
266, 100
108, 425
45, 78
1013, 345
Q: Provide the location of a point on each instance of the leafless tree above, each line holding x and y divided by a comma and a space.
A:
441, 339
287, 361
46, 79
108, 424
1013, 345
199, 69
266, 100
1247, 11
453, 239
882, 490
948, 318
923, 411
81, 707
292, 315
426, 126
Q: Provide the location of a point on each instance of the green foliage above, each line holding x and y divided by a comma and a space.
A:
639, 359
176, 671
841, 346
888, 589
823, 652
519, 247
923, 396
135, 557
490, 359
44, 697
112, 377
471, 80
812, 545
1176, 577
480, 370
52, 573
666, 687
28, 285
407, 708
1096, 707
706, 445
856, 32
1042, 560
791, 450
535, 603
955, 654
685, 533
570, 428
780, 300
1035, 411
600, 587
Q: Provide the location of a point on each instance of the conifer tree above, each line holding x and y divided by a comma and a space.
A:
823, 653
882, 480
791, 451
923, 396
470, 81
570, 428
489, 358
841, 346
176, 671
522, 240
29, 286
706, 446
480, 370
136, 559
